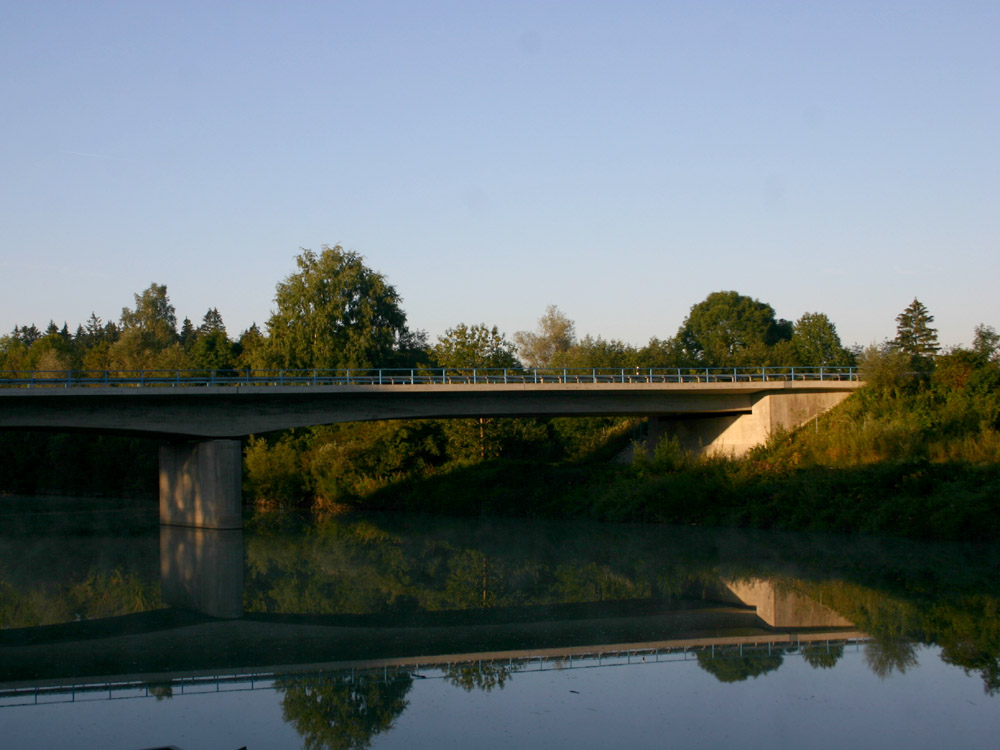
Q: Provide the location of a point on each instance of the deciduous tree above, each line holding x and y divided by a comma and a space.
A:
474, 346
729, 329
556, 333
334, 312
986, 342
816, 343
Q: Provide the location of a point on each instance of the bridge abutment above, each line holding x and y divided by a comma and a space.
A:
736, 433
201, 484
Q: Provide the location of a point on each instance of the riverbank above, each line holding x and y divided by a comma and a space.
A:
950, 501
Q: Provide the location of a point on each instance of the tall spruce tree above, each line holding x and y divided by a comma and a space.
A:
914, 335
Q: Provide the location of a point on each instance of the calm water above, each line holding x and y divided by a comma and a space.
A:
390, 631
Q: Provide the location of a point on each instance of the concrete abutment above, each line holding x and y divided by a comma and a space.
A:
735, 433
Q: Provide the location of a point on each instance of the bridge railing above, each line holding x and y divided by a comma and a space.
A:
415, 376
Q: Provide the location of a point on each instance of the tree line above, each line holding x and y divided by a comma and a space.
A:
335, 312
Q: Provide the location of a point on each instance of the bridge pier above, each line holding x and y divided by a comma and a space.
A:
735, 433
201, 484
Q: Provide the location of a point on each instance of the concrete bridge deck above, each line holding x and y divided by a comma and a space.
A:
232, 411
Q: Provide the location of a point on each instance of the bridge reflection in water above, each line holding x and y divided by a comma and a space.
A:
202, 579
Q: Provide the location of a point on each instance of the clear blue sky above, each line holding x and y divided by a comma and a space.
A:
621, 160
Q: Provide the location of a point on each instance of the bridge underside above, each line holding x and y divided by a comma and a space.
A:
234, 411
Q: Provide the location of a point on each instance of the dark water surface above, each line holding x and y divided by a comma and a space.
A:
400, 631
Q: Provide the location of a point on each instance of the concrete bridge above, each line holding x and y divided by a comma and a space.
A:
202, 418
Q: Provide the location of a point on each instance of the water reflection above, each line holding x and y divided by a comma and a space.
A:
344, 615
202, 570
343, 711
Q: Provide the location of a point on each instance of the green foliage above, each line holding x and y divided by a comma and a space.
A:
822, 655
273, 471
335, 312
600, 353
816, 344
477, 346
885, 369
986, 342
728, 329
341, 713
148, 337
482, 675
212, 351
914, 335
730, 666
554, 336
347, 462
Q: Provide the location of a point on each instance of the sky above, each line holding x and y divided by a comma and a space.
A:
621, 160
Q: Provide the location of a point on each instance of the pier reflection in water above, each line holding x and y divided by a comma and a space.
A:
356, 622
202, 570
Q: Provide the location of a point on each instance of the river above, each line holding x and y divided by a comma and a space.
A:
355, 631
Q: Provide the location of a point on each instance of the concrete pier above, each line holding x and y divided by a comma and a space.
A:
201, 484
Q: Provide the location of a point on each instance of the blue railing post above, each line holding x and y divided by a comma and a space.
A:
281, 377
411, 376
348, 375
314, 377
793, 374
821, 373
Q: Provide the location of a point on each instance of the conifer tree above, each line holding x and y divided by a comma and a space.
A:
914, 335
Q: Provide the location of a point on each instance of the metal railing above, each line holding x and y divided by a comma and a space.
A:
416, 376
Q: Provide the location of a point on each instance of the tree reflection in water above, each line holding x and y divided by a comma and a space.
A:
731, 665
822, 656
483, 675
343, 712
887, 655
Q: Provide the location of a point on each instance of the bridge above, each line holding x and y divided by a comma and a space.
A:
203, 415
